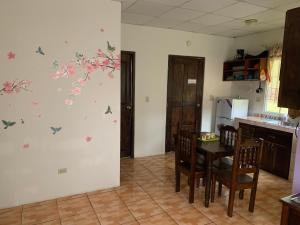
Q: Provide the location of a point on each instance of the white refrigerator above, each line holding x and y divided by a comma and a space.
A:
229, 108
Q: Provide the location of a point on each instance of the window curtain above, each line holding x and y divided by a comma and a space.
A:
275, 53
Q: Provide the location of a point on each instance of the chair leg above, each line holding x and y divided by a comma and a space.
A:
220, 189
252, 200
231, 202
177, 186
192, 189
203, 181
241, 194
213, 188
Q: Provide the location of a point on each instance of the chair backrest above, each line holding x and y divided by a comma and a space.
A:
247, 156
186, 147
228, 136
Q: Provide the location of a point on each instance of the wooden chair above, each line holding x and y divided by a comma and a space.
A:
228, 138
186, 161
246, 162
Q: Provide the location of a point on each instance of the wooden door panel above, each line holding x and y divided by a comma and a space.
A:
189, 115
177, 80
190, 83
127, 103
184, 100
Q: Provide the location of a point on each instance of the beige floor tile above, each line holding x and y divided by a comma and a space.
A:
161, 219
11, 216
188, 216
73, 207
144, 208
40, 213
53, 222
172, 202
102, 199
87, 218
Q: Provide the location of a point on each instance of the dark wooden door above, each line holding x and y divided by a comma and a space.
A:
289, 92
127, 103
185, 92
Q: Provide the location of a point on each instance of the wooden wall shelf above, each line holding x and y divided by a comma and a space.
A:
244, 70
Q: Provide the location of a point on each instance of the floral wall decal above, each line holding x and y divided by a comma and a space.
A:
9, 87
7, 124
84, 67
55, 129
22, 121
11, 55
108, 110
40, 51
25, 146
88, 139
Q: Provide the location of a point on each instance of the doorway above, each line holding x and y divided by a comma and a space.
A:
185, 94
127, 104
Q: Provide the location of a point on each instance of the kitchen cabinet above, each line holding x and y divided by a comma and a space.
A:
290, 211
276, 152
289, 92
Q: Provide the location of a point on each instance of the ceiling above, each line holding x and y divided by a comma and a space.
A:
216, 17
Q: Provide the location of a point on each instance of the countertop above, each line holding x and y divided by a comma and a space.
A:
268, 123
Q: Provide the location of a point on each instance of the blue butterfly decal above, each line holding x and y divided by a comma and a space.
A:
55, 129
108, 110
40, 51
8, 124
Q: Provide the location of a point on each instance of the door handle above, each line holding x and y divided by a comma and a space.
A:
198, 105
128, 107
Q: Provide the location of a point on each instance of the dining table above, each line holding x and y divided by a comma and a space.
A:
212, 150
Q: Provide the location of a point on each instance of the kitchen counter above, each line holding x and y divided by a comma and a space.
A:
275, 125
268, 123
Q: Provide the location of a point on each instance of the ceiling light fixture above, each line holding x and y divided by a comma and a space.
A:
251, 21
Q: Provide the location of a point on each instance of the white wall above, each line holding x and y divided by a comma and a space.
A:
253, 45
30, 154
152, 47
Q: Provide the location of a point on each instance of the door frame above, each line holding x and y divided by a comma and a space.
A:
133, 102
201, 85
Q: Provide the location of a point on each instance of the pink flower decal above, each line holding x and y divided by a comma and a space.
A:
26, 146
76, 91
35, 103
103, 61
68, 101
81, 81
71, 70
115, 121
111, 75
9, 87
11, 55
102, 30
88, 139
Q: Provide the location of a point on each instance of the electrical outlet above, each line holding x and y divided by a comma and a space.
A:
62, 170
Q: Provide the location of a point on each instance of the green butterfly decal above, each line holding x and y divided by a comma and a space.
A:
108, 111
40, 51
55, 129
8, 124
110, 48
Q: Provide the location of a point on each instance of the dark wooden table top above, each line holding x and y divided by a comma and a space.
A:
215, 148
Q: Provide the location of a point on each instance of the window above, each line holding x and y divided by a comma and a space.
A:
272, 87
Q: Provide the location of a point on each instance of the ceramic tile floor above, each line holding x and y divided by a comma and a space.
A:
146, 196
